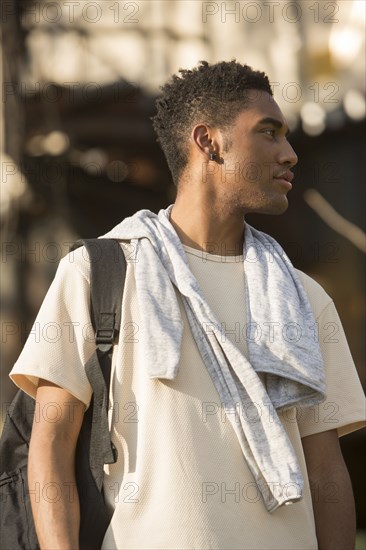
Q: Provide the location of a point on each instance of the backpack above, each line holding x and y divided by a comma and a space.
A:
94, 446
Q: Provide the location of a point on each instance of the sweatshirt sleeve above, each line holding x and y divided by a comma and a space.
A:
61, 339
344, 408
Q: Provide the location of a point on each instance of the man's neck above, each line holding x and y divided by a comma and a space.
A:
207, 227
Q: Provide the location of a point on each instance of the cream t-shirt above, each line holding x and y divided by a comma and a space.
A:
181, 481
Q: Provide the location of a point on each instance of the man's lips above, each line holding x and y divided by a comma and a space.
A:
285, 175
285, 178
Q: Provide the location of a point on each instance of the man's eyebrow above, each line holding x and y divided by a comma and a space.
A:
274, 122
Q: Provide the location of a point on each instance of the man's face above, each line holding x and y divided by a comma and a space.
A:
255, 175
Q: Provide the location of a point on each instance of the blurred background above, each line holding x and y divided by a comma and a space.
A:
79, 81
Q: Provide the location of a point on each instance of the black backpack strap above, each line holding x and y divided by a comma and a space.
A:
107, 278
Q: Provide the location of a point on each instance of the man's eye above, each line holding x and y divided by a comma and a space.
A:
270, 132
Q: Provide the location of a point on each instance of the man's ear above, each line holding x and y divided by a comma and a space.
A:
206, 140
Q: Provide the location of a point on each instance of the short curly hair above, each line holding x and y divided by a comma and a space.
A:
214, 94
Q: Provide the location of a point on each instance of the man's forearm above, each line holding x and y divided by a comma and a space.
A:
54, 497
334, 510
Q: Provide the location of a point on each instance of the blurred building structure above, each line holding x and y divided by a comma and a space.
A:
313, 52
79, 80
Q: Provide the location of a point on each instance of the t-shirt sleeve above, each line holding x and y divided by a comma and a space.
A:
61, 340
344, 408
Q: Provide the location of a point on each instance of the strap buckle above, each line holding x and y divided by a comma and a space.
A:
104, 336
106, 331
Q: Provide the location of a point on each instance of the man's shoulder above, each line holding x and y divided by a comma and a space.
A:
318, 297
79, 260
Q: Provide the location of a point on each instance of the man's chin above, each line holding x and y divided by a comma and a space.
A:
281, 209
274, 209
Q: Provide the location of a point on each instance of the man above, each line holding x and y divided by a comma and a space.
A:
205, 460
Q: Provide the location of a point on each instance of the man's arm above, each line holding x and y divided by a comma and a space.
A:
51, 467
331, 489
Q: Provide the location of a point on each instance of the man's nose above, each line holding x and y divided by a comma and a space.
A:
287, 155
